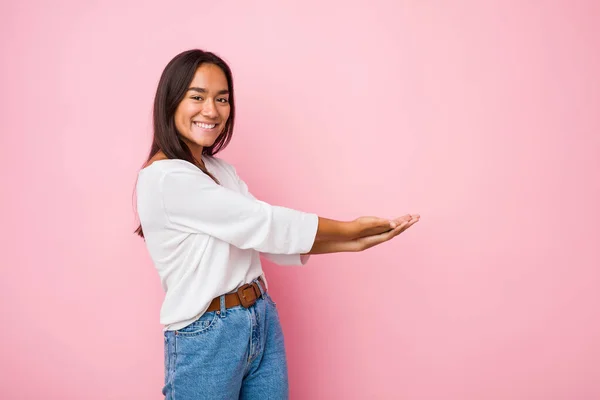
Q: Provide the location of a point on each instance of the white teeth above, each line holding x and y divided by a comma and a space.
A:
205, 126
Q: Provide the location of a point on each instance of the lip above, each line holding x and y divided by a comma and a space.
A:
207, 123
215, 128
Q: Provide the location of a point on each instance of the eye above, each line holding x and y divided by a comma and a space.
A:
223, 100
197, 98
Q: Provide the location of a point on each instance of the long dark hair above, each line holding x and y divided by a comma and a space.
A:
172, 87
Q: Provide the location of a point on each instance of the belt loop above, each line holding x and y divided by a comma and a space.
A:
262, 291
223, 307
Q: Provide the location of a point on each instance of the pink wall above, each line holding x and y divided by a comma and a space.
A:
483, 119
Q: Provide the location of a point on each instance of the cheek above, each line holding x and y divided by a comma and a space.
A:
183, 116
225, 113
179, 125
225, 118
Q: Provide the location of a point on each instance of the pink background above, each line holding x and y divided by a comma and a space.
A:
482, 118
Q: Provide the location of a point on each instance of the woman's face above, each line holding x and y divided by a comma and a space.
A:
201, 116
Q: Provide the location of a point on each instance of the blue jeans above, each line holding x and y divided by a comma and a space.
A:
235, 353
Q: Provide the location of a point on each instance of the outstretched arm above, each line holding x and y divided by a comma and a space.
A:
358, 239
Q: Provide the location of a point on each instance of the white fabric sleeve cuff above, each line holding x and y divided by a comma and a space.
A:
287, 259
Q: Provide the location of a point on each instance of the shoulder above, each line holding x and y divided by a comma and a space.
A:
160, 163
166, 165
218, 161
156, 157
169, 173
221, 163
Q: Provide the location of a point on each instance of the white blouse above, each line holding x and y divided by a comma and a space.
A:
204, 239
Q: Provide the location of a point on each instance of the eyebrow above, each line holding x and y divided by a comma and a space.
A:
202, 90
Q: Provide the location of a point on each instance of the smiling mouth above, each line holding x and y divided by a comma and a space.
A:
204, 126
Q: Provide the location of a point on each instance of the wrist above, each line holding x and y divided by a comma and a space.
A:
330, 229
349, 230
335, 246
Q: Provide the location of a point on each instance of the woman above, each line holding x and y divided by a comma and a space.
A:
204, 232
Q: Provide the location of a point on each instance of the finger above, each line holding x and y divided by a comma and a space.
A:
384, 236
398, 230
374, 240
399, 220
403, 218
372, 225
411, 223
378, 223
384, 226
381, 237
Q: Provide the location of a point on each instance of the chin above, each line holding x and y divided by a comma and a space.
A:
207, 144
203, 141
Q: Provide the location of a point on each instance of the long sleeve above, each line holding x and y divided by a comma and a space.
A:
195, 203
287, 259
279, 259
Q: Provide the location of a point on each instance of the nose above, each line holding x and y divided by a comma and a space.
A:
209, 109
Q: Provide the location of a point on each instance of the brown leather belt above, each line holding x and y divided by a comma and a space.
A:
246, 296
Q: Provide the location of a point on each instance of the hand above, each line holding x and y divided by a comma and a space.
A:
365, 242
402, 224
369, 226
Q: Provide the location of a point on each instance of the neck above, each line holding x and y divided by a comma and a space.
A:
196, 152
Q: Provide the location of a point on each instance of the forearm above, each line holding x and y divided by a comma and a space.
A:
373, 235
330, 229
333, 246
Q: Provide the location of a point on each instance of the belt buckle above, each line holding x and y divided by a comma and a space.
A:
247, 301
